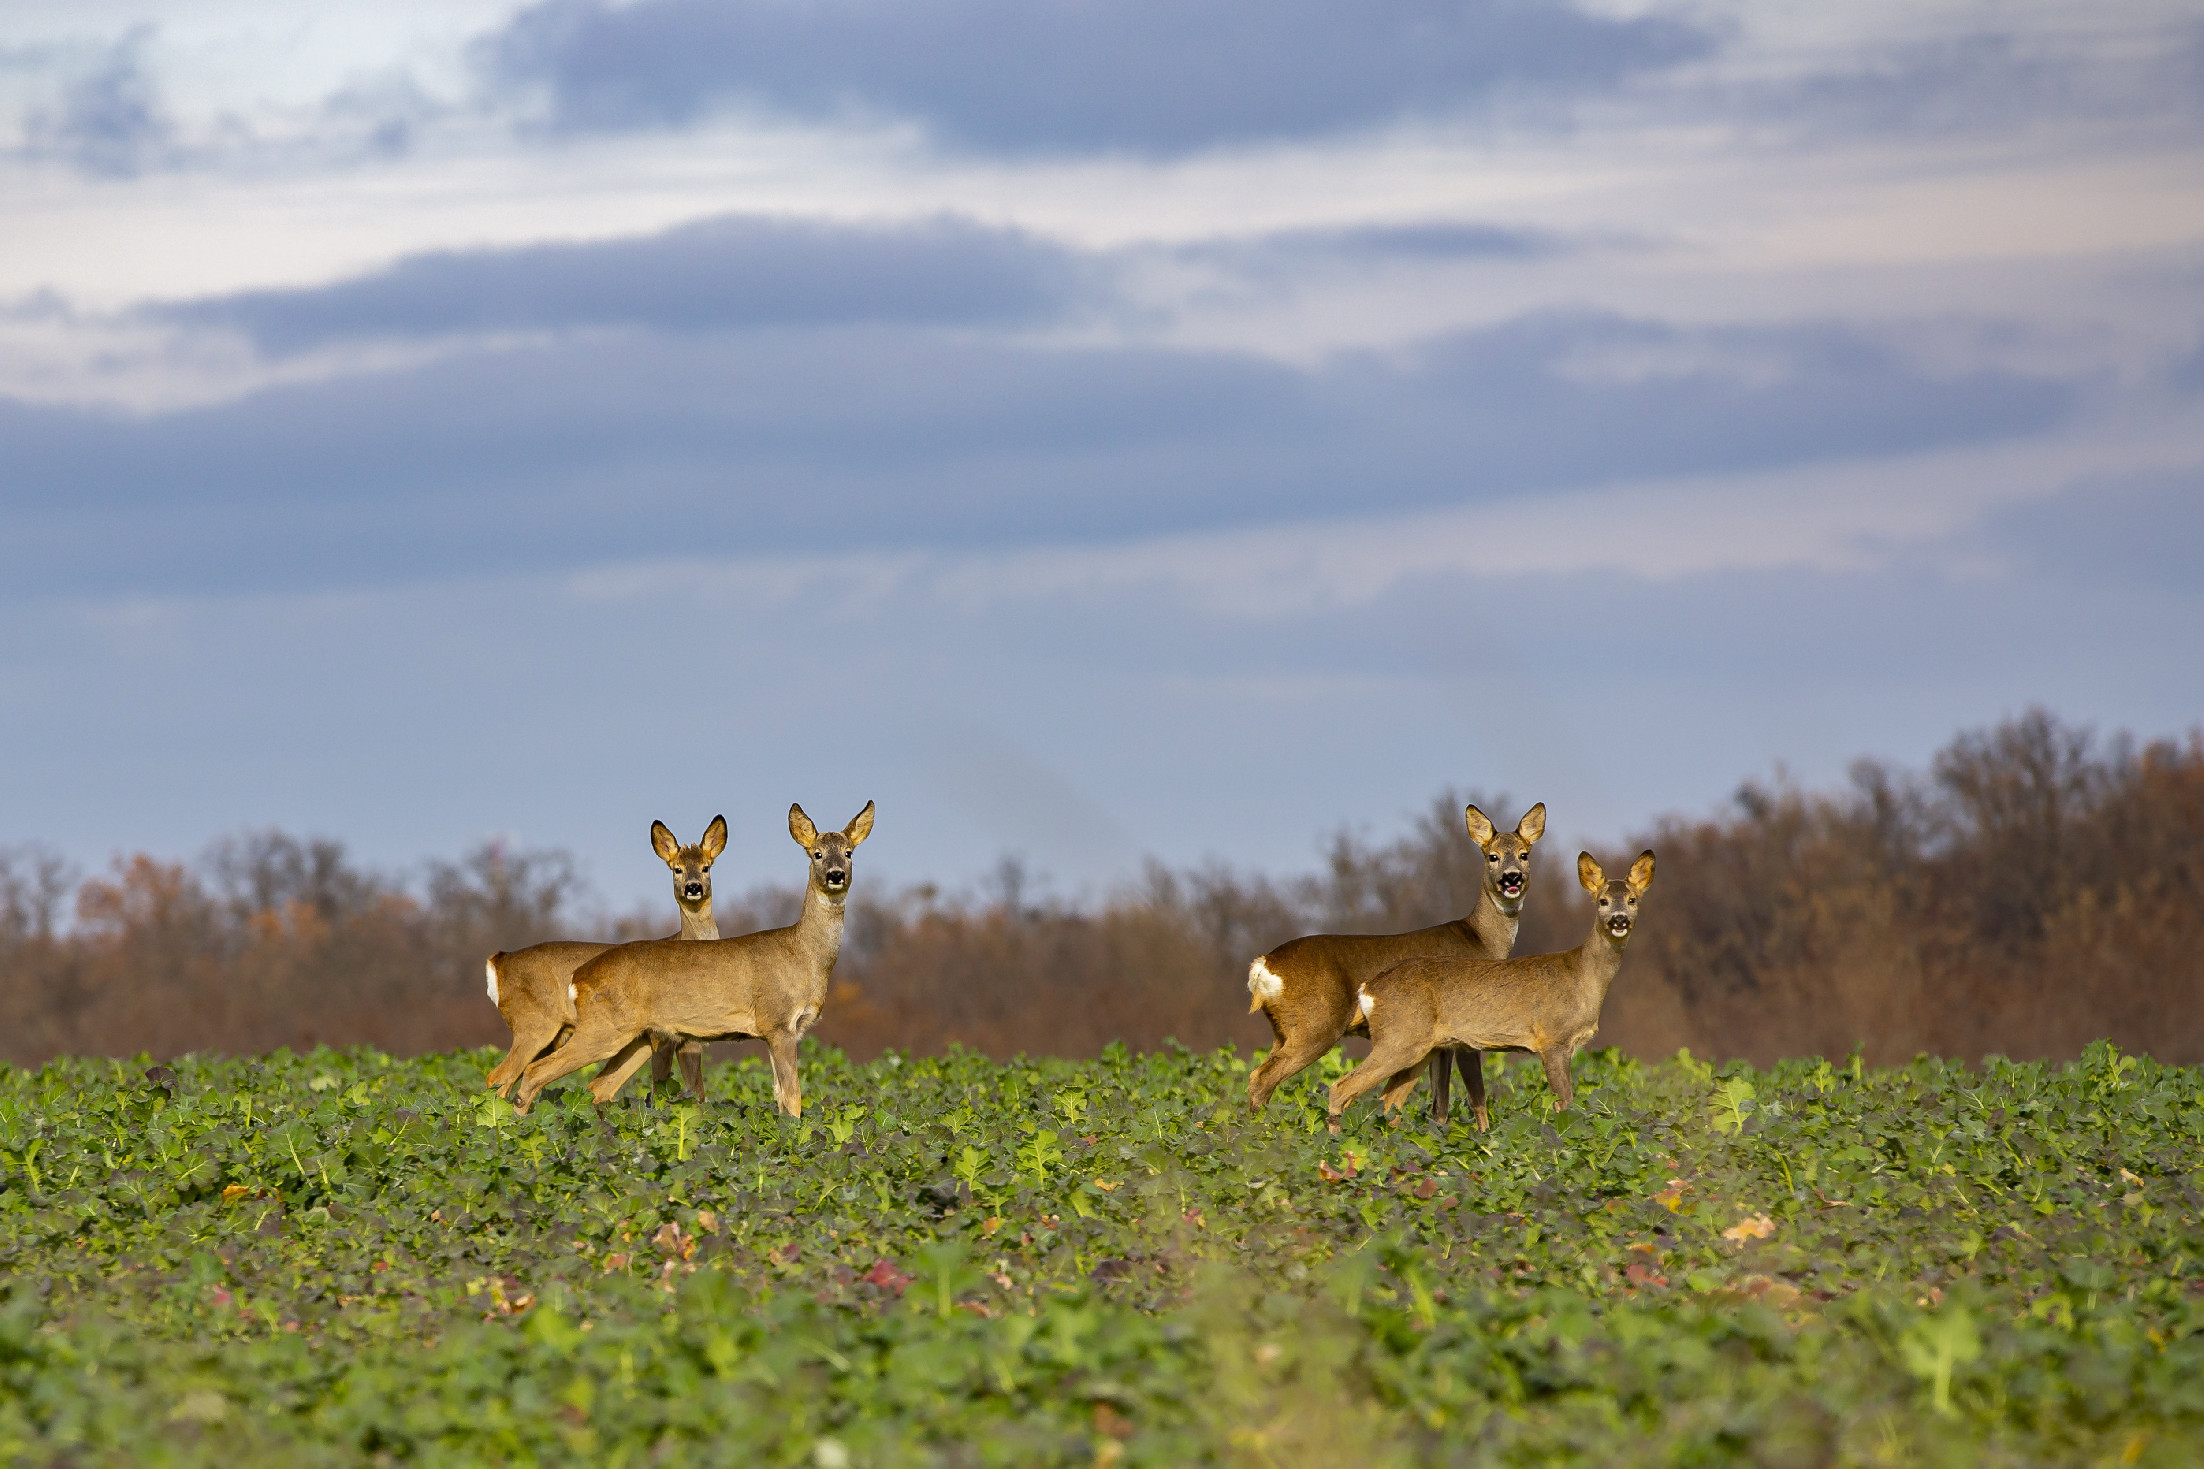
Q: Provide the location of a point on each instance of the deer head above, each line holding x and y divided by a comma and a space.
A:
691, 865
1507, 854
1616, 901
830, 851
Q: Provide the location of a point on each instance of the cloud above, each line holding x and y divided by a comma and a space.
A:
1150, 713
108, 121
2021, 81
740, 271
575, 451
1280, 256
1149, 77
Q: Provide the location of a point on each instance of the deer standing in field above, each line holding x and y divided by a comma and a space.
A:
768, 985
1306, 988
1547, 1004
531, 987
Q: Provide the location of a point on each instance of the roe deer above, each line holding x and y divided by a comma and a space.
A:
531, 987
1306, 988
767, 985
1545, 1003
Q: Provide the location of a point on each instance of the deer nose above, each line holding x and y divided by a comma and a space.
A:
836, 874
695, 890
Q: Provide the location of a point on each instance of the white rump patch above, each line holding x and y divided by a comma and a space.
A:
1262, 984
489, 967
1365, 1003
573, 995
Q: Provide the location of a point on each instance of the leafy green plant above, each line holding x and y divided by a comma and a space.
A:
1056, 1262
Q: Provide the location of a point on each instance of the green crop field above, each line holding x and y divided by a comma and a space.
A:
342, 1258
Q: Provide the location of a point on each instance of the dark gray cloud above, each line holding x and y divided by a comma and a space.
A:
581, 450
734, 272
108, 120
1151, 77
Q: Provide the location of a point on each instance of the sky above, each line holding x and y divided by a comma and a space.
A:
1091, 431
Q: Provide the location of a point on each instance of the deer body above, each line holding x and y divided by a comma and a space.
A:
1307, 988
769, 985
533, 987
1548, 1004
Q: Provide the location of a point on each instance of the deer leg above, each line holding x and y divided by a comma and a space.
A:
590, 1043
1291, 1055
1472, 1062
1557, 1077
625, 1063
1384, 1061
661, 1060
506, 1072
788, 1089
1397, 1088
692, 1067
531, 1038
1442, 1082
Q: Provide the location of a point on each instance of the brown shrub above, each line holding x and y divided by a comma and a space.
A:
2034, 890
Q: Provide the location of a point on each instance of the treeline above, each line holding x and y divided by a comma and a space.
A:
2034, 889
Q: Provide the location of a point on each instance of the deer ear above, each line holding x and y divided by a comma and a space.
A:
1480, 825
1533, 824
715, 838
1588, 874
800, 827
1641, 873
663, 843
860, 826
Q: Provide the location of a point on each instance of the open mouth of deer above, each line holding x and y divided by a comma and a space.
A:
1511, 884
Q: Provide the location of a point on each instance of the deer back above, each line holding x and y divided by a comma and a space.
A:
1531, 1003
753, 984
536, 981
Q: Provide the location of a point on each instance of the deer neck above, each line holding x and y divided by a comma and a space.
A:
1493, 927
819, 929
1598, 961
697, 922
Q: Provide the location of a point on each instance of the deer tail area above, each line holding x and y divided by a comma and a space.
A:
1262, 985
